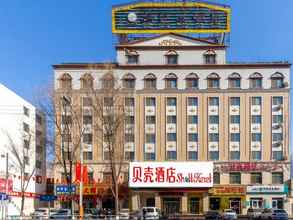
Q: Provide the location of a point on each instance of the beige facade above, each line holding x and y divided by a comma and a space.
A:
243, 129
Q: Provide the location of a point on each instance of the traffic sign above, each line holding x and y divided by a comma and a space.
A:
65, 189
3, 196
47, 198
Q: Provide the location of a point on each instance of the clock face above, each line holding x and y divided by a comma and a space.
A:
132, 17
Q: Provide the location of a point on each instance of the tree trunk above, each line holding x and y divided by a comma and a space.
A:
116, 200
22, 204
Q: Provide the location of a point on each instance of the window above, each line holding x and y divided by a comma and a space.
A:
171, 81
256, 178
26, 144
192, 81
214, 101
87, 119
172, 57
277, 136
26, 127
235, 119
213, 119
88, 138
192, 101
277, 178
192, 119
149, 156
234, 81
235, 178
150, 119
277, 100
210, 57
256, 101
106, 155
132, 57
235, 137
171, 119
66, 119
39, 119
129, 137
150, 101
150, 138
87, 155
277, 80
216, 178
26, 111
66, 137
90, 176
256, 119
128, 81
213, 81
129, 156
108, 101
235, 101
129, 119
214, 155
256, 137
65, 81
256, 155
255, 81
194, 205
171, 136
278, 119
87, 81
108, 81
26, 160
193, 137
107, 177
171, 155
87, 101
150, 81
278, 155
213, 137
192, 155
38, 164
129, 102
171, 101
234, 155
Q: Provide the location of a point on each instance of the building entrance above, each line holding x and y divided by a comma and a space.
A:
171, 205
235, 204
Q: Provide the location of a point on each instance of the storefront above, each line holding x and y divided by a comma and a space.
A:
174, 187
227, 197
267, 196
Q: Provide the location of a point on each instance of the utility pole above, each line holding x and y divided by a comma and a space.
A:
81, 183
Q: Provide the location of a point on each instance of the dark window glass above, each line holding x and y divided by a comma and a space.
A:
129, 102
234, 155
255, 83
150, 138
214, 101
210, 59
87, 155
172, 59
256, 119
213, 119
171, 101
256, 155
235, 137
235, 178
171, 155
150, 119
129, 156
150, 83
214, 155
278, 83
213, 137
193, 137
132, 59
129, 83
192, 83
234, 83
171, 83
256, 178
256, 101
171, 119
235, 119
217, 178
149, 156
277, 100
192, 101
278, 155
192, 119
150, 101
256, 137
277, 178
192, 155
88, 138
171, 137
213, 83
235, 101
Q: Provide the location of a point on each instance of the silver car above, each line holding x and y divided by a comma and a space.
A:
274, 214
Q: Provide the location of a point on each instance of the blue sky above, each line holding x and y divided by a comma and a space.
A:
36, 34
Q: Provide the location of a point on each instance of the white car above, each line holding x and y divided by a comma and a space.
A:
229, 214
124, 214
41, 213
151, 213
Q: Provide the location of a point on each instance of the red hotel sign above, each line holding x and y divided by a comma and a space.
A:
170, 174
247, 167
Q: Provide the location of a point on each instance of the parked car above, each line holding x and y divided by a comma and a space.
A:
124, 214
150, 213
41, 213
274, 214
135, 215
61, 214
254, 213
229, 214
92, 213
213, 215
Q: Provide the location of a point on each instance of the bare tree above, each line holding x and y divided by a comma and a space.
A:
20, 163
65, 131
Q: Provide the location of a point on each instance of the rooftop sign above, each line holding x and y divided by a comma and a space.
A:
170, 174
165, 17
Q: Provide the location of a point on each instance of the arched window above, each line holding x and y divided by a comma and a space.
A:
255, 81
150, 81
65, 81
131, 56
128, 81
171, 81
191, 81
171, 57
108, 81
210, 57
234, 80
87, 81
213, 81
277, 80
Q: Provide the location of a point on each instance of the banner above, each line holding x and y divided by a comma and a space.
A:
170, 174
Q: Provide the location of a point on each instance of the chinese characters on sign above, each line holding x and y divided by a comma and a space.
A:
266, 189
64, 189
171, 174
247, 167
228, 190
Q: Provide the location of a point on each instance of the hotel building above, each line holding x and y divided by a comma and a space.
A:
190, 104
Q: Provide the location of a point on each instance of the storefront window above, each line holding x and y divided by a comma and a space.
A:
277, 203
194, 205
256, 203
215, 203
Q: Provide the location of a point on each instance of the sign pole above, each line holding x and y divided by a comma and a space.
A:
6, 187
81, 184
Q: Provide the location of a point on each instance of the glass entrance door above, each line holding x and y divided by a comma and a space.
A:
171, 205
235, 204
194, 205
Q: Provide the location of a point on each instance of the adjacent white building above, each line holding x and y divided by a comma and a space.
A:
21, 126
